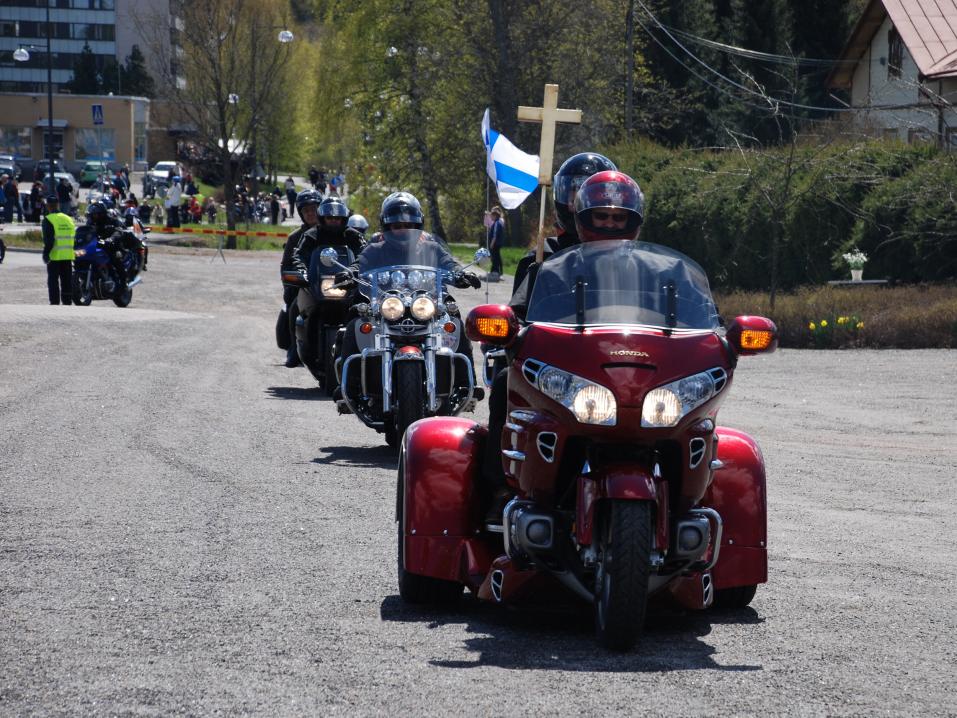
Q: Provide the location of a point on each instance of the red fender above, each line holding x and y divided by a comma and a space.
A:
612, 482
738, 492
442, 511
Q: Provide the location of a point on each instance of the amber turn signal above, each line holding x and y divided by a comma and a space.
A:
492, 327
365, 328
756, 341
449, 327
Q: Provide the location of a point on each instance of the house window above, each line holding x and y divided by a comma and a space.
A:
895, 54
919, 136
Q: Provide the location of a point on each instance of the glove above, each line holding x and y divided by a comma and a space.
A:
464, 280
346, 278
355, 235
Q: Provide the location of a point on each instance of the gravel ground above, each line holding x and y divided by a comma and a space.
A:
187, 527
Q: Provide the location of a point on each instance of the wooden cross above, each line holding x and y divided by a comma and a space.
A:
548, 115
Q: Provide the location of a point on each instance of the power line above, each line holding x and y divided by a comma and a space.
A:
755, 54
776, 101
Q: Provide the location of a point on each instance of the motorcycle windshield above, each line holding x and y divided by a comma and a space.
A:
623, 282
406, 259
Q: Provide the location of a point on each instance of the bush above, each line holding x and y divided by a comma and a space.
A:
724, 207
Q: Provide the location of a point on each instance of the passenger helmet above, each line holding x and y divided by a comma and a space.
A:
602, 198
358, 223
307, 196
570, 176
400, 207
332, 207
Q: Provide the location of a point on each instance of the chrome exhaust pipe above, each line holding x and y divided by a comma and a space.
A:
136, 280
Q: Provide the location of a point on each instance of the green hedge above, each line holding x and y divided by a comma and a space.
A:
722, 207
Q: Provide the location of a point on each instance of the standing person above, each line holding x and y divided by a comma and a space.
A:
313, 176
8, 186
36, 202
321, 182
173, 199
496, 238
274, 208
290, 186
64, 193
58, 233
211, 210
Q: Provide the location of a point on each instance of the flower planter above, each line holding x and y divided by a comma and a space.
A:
857, 275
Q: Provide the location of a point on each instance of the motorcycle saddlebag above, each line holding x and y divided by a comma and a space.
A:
441, 460
738, 493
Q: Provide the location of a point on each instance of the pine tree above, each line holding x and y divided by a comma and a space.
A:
136, 78
85, 80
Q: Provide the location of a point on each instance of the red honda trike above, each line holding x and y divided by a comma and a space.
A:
626, 489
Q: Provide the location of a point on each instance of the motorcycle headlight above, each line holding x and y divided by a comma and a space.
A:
392, 308
590, 403
418, 279
384, 279
668, 404
423, 308
328, 290
398, 279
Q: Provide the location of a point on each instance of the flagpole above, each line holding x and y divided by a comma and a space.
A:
488, 181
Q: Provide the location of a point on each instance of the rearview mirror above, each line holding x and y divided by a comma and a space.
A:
494, 324
329, 257
753, 335
482, 258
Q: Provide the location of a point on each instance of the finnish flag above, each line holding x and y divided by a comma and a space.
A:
514, 172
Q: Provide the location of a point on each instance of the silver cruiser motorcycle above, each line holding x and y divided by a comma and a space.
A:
413, 359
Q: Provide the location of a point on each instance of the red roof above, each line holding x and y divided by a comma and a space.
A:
928, 29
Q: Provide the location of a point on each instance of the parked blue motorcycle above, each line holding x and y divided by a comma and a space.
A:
96, 272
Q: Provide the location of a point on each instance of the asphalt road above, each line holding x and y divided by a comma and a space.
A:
187, 527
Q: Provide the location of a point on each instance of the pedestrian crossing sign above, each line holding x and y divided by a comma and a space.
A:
97, 114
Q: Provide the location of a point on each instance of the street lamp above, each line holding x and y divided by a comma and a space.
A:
22, 54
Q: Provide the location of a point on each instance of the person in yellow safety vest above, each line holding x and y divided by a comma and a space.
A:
58, 255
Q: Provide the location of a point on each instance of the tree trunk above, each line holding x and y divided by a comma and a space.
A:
420, 141
505, 104
629, 67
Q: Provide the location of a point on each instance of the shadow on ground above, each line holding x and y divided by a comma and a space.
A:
564, 640
376, 457
298, 393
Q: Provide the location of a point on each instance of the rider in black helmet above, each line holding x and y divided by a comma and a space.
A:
307, 207
331, 229
402, 241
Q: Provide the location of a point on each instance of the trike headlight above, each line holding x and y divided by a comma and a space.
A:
668, 404
590, 403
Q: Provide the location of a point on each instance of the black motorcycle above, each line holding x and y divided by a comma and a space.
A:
323, 309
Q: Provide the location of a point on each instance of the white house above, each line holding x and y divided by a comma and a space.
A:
900, 70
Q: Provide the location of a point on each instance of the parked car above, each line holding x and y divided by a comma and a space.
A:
9, 166
159, 176
43, 166
91, 172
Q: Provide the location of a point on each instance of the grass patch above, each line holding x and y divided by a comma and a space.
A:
31, 239
904, 317
465, 253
